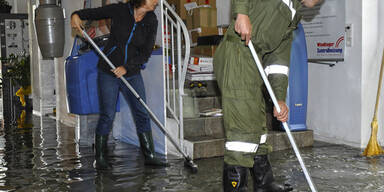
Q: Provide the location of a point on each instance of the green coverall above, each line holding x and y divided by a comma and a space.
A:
239, 80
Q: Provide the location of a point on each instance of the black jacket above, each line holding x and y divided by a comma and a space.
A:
122, 22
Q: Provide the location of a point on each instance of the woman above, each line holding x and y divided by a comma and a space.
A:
133, 32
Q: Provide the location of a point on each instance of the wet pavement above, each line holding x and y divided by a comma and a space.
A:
45, 157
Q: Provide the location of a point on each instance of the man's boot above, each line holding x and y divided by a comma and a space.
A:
235, 178
101, 142
263, 180
146, 145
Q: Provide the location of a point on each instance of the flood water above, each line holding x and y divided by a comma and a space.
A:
45, 157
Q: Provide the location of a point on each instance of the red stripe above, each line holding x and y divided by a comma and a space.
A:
339, 41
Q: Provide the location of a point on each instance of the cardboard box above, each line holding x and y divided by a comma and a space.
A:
202, 31
222, 30
210, 40
204, 50
200, 76
180, 9
201, 60
200, 69
200, 64
202, 17
212, 3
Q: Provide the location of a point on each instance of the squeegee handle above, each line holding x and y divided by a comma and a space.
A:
285, 125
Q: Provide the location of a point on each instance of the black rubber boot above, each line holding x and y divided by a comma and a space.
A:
146, 145
235, 178
101, 147
263, 180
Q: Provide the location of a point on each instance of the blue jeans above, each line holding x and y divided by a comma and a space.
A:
109, 87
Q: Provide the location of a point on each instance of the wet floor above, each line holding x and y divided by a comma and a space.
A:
45, 157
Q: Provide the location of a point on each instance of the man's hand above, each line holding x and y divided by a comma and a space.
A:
119, 71
283, 115
243, 27
310, 3
76, 23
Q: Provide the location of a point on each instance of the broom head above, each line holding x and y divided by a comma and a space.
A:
373, 147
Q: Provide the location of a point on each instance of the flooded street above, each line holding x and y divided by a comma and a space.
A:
45, 157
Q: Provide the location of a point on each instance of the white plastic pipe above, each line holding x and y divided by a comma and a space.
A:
287, 130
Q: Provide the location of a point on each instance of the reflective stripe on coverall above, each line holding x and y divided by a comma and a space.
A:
239, 81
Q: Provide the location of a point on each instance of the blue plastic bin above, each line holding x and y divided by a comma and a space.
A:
297, 95
81, 81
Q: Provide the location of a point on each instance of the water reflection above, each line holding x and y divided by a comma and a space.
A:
45, 157
333, 168
16, 151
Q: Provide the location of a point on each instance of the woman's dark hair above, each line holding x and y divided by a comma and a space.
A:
137, 3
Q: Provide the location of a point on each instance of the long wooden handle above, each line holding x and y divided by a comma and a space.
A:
379, 88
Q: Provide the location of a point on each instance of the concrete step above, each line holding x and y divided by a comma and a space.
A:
205, 103
209, 88
203, 126
194, 105
213, 146
280, 141
204, 147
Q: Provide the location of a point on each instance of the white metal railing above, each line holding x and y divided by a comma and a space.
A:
176, 52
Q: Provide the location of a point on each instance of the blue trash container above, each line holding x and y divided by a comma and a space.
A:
81, 80
297, 94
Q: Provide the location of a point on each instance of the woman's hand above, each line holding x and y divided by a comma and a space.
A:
76, 23
119, 71
243, 27
283, 115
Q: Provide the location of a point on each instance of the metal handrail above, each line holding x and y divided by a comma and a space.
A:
175, 37
186, 41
